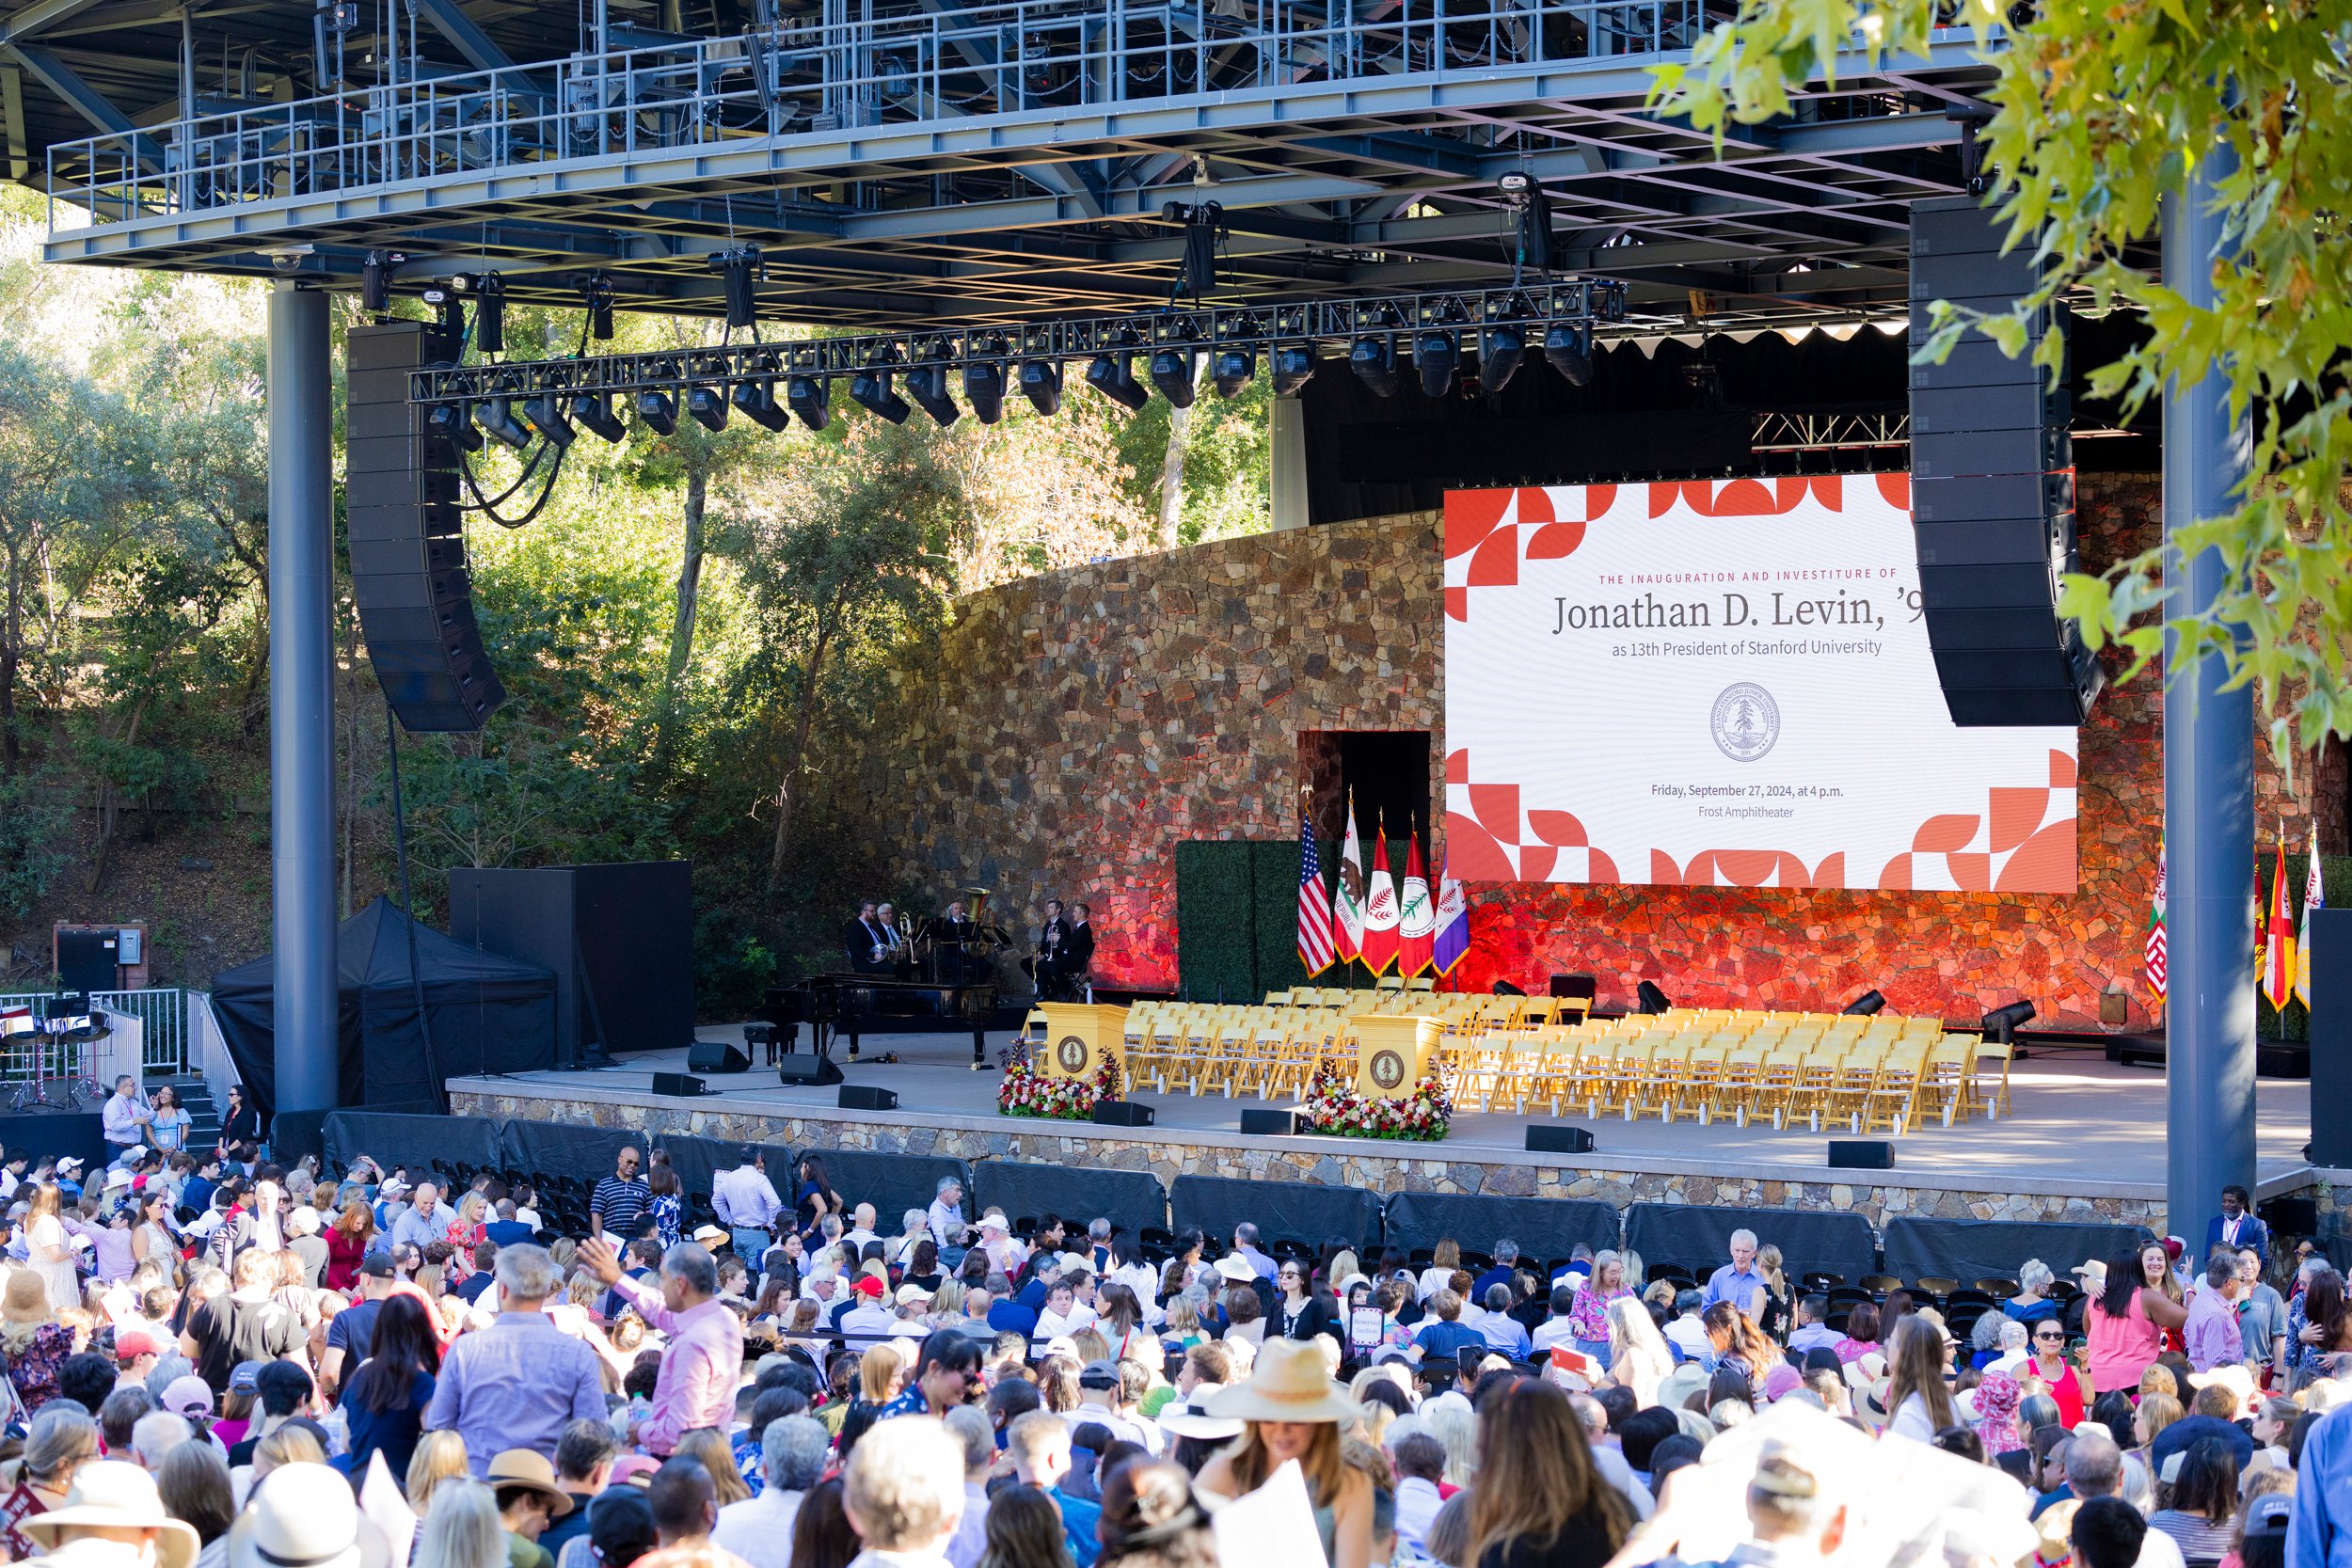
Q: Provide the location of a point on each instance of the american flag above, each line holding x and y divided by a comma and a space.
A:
1314, 905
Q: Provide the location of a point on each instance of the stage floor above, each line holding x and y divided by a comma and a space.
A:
2076, 1121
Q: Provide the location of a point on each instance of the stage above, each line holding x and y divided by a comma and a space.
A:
2084, 1139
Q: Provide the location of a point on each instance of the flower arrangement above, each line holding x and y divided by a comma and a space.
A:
1332, 1105
1027, 1092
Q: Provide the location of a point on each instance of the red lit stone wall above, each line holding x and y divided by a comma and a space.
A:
1076, 726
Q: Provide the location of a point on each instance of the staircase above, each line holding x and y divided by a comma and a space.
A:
196, 1095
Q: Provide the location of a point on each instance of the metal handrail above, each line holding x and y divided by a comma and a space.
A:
802, 77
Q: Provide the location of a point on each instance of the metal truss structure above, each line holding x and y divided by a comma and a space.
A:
912, 161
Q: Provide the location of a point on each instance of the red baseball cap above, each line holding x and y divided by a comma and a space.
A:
867, 1285
130, 1346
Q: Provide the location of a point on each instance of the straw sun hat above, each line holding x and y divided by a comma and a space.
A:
25, 1299
116, 1494
1288, 1384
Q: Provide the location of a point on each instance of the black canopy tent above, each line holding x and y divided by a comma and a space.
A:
487, 1014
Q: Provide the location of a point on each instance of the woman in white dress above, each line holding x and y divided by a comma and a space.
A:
50, 1250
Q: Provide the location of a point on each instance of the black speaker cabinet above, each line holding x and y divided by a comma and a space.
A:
1270, 1124
1543, 1139
810, 1072
718, 1056
620, 939
1582, 987
2290, 1216
865, 1097
1861, 1154
2332, 1037
409, 576
1122, 1112
681, 1083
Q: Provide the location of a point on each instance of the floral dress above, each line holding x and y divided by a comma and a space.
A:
667, 1211
1588, 1321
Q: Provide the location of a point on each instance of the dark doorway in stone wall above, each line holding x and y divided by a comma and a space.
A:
1377, 772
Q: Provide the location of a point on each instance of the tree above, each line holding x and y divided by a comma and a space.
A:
2102, 109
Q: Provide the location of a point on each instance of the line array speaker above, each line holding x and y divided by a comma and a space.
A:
2332, 1038
408, 540
1992, 490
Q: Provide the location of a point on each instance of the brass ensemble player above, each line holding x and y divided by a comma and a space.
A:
1046, 966
953, 935
866, 941
896, 956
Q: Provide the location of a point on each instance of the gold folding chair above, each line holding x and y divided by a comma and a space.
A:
1892, 1102
1662, 1080
1850, 1082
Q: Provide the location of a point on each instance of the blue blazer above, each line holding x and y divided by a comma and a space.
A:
2250, 1232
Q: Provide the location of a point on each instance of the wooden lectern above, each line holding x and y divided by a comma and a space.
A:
1394, 1053
1079, 1038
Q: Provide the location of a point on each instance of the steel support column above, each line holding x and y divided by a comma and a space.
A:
2208, 783
302, 701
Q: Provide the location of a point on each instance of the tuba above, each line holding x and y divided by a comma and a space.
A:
978, 898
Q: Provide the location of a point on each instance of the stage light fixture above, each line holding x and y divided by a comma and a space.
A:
928, 385
452, 421
1570, 353
984, 390
595, 410
1293, 366
869, 389
658, 411
1173, 373
545, 416
1374, 360
1435, 355
807, 396
375, 295
708, 405
2001, 1024
1653, 1000
447, 307
489, 310
1114, 376
497, 418
596, 291
1040, 382
738, 270
757, 400
1500, 350
1233, 370
1864, 1005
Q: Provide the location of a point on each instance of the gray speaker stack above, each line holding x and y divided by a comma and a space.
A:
1992, 490
407, 542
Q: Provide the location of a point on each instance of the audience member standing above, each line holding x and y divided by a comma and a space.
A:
619, 1200
747, 1204
514, 1384
704, 1355
1539, 1501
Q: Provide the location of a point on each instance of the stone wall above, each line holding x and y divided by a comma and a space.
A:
1077, 725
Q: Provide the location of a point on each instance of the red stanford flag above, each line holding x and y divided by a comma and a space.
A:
2279, 934
1416, 924
1314, 911
1380, 913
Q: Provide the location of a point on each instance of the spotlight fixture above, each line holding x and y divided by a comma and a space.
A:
1040, 382
1231, 370
807, 395
658, 411
928, 385
497, 418
2001, 1024
984, 390
1173, 373
489, 310
545, 416
1864, 1005
708, 405
1374, 360
869, 389
1114, 376
452, 421
595, 410
597, 292
1570, 353
758, 399
1293, 366
447, 307
1500, 350
1435, 355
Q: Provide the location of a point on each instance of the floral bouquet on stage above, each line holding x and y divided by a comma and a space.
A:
1027, 1092
1333, 1106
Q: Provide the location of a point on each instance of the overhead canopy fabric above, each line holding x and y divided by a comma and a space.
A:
482, 1014
1698, 1236
1298, 1211
415, 1141
1970, 1250
1544, 1228
1130, 1199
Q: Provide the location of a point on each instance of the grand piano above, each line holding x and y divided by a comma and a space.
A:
855, 1004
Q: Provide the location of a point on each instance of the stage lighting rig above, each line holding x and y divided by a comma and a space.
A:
807, 395
708, 405
453, 421
1531, 224
1435, 355
870, 391
658, 411
448, 307
1374, 360
375, 281
489, 309
1231, 370
984, 383
595, 410
597, 291
1570, 351
1114, 375
1293, 366
1500, 350
757, 400
1040, 382
927, 384
495, 416
545, 413
1173, 373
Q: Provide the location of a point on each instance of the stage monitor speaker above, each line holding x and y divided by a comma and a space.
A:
679, 1083
2290, 1216
865, 1097
1544, 1139
1269, 1124
408, 577
811, 1071
1582, 985
718, 1056
1861, 1154
2332, 1038
1122, 1112
1993, 504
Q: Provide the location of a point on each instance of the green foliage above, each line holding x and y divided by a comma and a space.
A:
36, 839
2103, 109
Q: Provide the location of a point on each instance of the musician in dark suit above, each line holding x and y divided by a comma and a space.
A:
861, 938
1078, 949
953, 935
1045, 967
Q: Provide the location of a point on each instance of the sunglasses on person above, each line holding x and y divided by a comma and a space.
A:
2055, 1337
